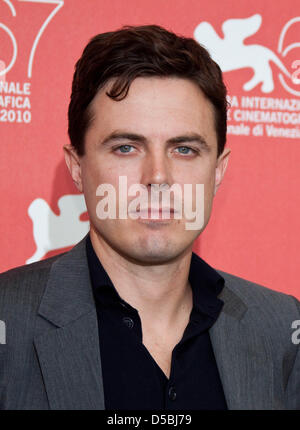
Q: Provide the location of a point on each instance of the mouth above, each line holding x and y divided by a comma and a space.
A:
154, 214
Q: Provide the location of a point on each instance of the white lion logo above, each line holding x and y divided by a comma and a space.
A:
51, 231
232, 54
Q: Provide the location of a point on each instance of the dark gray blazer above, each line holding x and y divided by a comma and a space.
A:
51, 358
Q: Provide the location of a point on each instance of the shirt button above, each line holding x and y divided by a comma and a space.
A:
172, 393
128, 321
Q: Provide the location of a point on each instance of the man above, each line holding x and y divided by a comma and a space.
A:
130, 318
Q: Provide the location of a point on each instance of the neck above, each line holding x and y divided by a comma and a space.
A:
160, 292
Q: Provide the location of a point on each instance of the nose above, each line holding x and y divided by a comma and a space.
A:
156, 169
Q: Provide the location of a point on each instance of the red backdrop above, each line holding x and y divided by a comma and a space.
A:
254, 229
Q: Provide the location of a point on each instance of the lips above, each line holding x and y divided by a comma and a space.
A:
155, 213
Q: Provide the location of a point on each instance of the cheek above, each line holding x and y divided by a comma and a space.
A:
96, 172
208, 179
204, 176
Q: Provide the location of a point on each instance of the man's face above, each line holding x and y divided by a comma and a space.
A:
162, 133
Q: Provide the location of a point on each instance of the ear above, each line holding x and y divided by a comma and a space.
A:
221, 166
73, 162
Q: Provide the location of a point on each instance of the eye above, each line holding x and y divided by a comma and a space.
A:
186, 150
124, 149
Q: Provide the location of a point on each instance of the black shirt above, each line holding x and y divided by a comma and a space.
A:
131, 377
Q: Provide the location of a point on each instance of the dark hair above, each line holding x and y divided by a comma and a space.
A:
139, 51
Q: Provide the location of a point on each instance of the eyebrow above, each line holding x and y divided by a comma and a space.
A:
190, 137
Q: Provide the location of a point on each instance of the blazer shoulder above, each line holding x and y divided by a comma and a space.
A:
27, 277
256, 295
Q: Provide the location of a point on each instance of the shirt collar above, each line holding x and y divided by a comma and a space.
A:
205, 281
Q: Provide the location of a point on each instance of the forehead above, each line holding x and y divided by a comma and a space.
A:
155, 107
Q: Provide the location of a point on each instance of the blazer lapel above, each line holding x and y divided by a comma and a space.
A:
68, 348
243, 356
